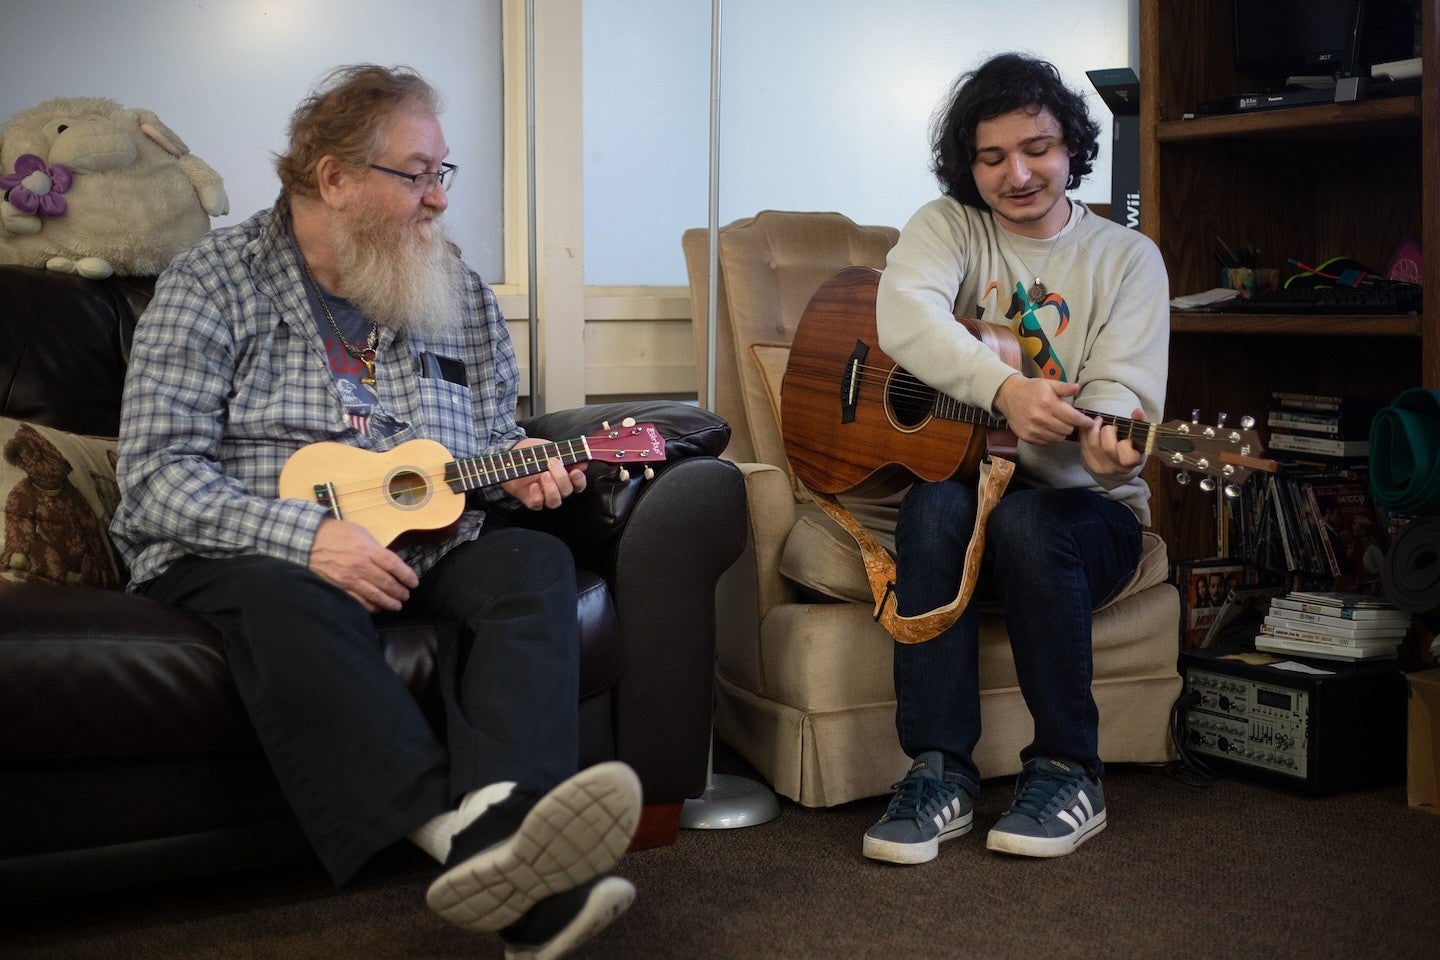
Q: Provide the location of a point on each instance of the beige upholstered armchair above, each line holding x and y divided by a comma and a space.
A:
803, 686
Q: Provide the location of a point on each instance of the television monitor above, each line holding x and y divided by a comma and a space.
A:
1279, 39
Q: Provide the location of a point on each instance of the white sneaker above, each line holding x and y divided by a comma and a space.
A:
571, 835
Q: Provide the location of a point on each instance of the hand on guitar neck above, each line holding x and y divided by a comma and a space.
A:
1039, 411
546, 490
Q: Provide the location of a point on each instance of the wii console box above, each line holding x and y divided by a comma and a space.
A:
1422, 770
1119, 89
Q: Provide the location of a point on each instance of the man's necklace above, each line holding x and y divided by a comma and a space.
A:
365, 354
1037, 291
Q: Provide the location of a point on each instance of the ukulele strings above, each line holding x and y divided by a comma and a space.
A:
374, 494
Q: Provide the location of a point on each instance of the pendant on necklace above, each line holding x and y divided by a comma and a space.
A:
367, 357
1037, 292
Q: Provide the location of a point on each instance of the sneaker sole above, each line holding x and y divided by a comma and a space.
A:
610, 898
1024, 846
574, 833
892, 851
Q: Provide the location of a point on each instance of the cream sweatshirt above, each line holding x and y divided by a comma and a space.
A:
1105, 323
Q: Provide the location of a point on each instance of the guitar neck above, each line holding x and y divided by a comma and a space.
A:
472, 473
1139, 432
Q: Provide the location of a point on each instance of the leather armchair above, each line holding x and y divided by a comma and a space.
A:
125, 755
804, 687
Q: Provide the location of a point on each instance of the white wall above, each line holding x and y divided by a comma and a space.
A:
225, 75
825, 105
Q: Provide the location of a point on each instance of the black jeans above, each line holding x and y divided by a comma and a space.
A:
354, 754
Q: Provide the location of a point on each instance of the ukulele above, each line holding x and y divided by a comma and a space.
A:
420, 485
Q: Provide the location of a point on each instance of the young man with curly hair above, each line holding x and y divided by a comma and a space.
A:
1087, 300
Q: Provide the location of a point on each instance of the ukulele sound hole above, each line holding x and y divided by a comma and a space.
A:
407, 489
911, 402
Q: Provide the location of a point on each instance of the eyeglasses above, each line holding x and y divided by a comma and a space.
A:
423, 182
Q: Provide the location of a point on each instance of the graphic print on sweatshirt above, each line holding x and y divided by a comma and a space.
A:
1028, 321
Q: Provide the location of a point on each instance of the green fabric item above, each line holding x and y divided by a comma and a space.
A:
1405, 453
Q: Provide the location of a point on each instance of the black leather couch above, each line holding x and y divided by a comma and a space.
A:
125, 755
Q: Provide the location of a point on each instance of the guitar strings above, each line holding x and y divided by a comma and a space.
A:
910, 387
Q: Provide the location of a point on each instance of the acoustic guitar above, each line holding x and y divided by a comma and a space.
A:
419, 485
854, 421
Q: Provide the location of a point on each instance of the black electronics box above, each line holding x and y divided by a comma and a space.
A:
1327, 727
1119, 88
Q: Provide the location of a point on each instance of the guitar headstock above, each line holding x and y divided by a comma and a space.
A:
629, 443
1219, 453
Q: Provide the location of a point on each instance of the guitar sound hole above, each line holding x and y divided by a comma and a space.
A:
911, 402
407, 488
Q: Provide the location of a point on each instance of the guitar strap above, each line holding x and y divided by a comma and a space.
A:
995, 474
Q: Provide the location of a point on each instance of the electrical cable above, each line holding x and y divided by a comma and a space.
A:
1188, 769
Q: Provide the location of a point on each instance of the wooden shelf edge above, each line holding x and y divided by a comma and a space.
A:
1319, 120
1255, 324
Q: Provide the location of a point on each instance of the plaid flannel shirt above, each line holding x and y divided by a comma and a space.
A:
228, 377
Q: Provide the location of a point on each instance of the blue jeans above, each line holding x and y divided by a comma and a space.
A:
1051, 557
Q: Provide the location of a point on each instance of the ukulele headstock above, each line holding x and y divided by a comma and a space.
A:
631, 442
1223, 456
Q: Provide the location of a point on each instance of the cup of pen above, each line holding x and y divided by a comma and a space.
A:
1249, 280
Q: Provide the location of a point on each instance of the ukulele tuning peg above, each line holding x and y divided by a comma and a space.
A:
1195, 415
1232, 491
628, 422
624, 474
1247, 422
604, 424
649, 473
1207, 484
1220, 420
1183, 478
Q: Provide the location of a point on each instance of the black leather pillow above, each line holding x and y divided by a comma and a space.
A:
594, 516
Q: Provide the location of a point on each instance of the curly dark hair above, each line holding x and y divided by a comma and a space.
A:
1001, 85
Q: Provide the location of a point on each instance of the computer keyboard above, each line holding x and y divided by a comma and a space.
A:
1388, 297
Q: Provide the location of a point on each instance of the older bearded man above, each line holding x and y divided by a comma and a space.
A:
345, 314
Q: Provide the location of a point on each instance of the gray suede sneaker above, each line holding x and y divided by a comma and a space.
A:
1057, 807
926, 809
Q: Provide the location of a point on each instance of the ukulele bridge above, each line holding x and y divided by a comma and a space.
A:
325, 496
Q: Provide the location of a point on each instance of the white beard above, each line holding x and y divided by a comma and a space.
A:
405, 277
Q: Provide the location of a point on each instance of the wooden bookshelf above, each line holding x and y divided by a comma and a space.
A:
1309, 182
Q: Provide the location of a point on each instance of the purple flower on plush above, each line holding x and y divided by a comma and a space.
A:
35, 187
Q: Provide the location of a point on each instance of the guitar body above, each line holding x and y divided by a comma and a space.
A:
387, 493
862, 424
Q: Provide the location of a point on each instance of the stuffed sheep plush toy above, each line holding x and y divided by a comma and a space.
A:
90, 187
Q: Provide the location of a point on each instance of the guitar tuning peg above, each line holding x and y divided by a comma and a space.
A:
1220, 420
1195, 415
1183, 478
1207, 484
1247, 422
628, 422
649, 473
624, 474
1232, 491
604, 424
